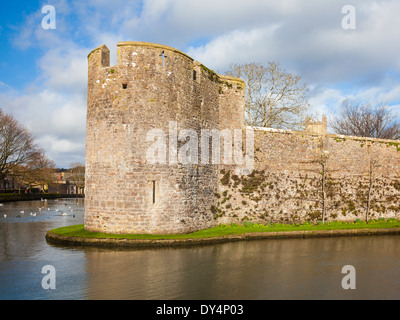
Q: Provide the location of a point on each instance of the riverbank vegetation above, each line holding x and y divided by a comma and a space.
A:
232, 229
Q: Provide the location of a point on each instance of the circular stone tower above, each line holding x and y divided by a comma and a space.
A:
139, 113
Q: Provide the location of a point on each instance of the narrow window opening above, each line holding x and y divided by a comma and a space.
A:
163, 59
194, 75
124, 86
154, 192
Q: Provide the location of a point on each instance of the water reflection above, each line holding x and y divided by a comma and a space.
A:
24, 251
265, 269
22, 234
277, 269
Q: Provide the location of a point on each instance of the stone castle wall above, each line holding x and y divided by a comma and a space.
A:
286, 186
160, 90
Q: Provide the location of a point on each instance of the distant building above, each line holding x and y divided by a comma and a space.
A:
67, 183
8, 185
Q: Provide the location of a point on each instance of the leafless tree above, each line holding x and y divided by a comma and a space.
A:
274, 97
17, 146
373, 164
20, 157
321, 159
365, 120
325, 187
39, 171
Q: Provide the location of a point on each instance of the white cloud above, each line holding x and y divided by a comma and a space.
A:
237, 46
65, 70
307, 38
323, 99
50, 114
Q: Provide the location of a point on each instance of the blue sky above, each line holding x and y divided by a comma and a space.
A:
44, 72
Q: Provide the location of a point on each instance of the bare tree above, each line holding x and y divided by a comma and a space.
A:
322, 171
39, 171
17, 145
20, 157
322, 157
274, 97
373, 164
365, 120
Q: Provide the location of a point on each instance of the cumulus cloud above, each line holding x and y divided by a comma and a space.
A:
56, 120
310, 39
238, 46
65, 70
307, 38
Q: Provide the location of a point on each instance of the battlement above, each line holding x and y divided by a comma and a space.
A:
315, 126
99, 57
101, 54
127, 56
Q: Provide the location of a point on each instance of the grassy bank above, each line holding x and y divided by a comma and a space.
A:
226, 230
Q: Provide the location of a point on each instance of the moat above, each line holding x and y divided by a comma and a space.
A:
256, 270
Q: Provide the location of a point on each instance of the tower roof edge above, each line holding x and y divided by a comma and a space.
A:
153, 45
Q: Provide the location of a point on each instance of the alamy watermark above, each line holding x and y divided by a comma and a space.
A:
349, 20
49, 20
189, 146
349, 281
49, 280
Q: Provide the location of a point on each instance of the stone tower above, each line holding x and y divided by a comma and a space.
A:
316, 127
154, 90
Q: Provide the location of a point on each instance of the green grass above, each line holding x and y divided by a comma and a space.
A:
233, 229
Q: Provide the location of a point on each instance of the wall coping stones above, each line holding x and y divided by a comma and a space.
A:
329, 135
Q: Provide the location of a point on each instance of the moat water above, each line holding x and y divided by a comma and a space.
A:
256, 270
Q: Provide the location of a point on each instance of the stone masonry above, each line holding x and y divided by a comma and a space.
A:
152, 87
156, 87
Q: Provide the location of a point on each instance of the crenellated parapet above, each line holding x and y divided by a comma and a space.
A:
99, 57
162, 75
